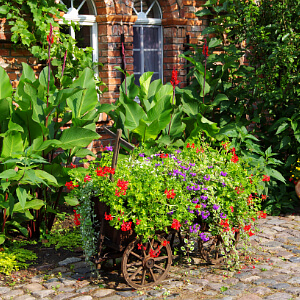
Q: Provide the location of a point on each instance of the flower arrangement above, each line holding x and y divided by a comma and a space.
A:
197, 189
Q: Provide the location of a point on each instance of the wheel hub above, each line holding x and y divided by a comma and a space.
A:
149, 262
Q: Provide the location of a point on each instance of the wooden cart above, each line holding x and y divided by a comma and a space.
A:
143, 264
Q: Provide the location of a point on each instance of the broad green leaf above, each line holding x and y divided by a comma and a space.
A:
33, 204
219, 98
5, 86
12, 143
284, 142
277, 175
147, 131
83, 152
22, 196
7, 174
134, 113
14, 126
203, 12
145, 81
72, 201
27, 73
214, 42
4, 108
164, 91
177, 126
46, 177
2, 238
205, 88
208, 30
77, 137
43, 78
131, 90
282, 127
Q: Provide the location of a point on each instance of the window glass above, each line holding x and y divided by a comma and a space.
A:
151, 40
83, 36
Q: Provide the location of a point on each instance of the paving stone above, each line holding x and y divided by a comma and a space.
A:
250, 297
279, 286
68, 281
173, 296
83, 298
103, 292
126, 293
86, 289
12, 294
232, 292
32, 287
114, 297
43, 293
294, 280
279, 296
194, 287
59, 270
265, 281
54, 284
25, 297
276, 222
250, 279
4, 290
66, 289
69, 260
295, 259
37, 278
293, 290
64, 296
216, 286
261, 290
157, 293
173, 284
210, 293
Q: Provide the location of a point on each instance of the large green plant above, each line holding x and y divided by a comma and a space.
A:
263, 97
37, 146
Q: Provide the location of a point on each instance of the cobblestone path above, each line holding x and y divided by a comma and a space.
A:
274, 274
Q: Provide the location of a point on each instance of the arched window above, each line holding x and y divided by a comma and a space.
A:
84, 13
147, 39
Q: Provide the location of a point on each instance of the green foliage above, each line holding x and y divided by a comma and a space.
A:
255, 105
68, 239
197, 186
14, 257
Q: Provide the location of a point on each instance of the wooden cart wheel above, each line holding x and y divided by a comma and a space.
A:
147, 264
210, 251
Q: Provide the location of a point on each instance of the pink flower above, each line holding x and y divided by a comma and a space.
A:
87, 178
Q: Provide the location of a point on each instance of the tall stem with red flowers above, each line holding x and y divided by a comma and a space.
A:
174, 81
205, 53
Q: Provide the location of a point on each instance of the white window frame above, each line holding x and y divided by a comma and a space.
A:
142, 22
84, 20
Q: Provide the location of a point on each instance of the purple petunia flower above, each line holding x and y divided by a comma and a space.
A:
216, 207
205, 189
157, 165
205, 214
197, 212
203, 197
210, 167
203, 205
109, 148
149, 158
223, 173
223, 216
189, 188
170, 212
195, 200
178, 151
141, 154
195, 228
179, 161
193, 174
206, 177
192, 164
223, 183
203, 237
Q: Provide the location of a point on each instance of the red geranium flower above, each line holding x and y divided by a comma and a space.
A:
108, 217
266, 178
87, 178
175, 225
170, 194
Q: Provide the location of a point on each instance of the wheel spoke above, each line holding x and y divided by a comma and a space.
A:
134, 264
135, 273
160, 258
143, 276
159, 267
136, 255
152, 274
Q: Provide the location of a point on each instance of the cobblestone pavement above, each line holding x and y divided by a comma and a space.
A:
273, 274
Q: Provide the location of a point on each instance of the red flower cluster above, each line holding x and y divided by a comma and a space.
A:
138, 222
141, 247
174, 81
239, 190
190, 146
154, 253
175, 225
76, 218
263, 197
164, 243
87, 178
164, 155
170, 193
247, 229
205, 49
105, 171
234, 158
122, 185
108, 217
266, 178
231, 208
250, 199
50, 37
224, 145
200, 150
225, 225
70, 186
126, 226
262, 215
